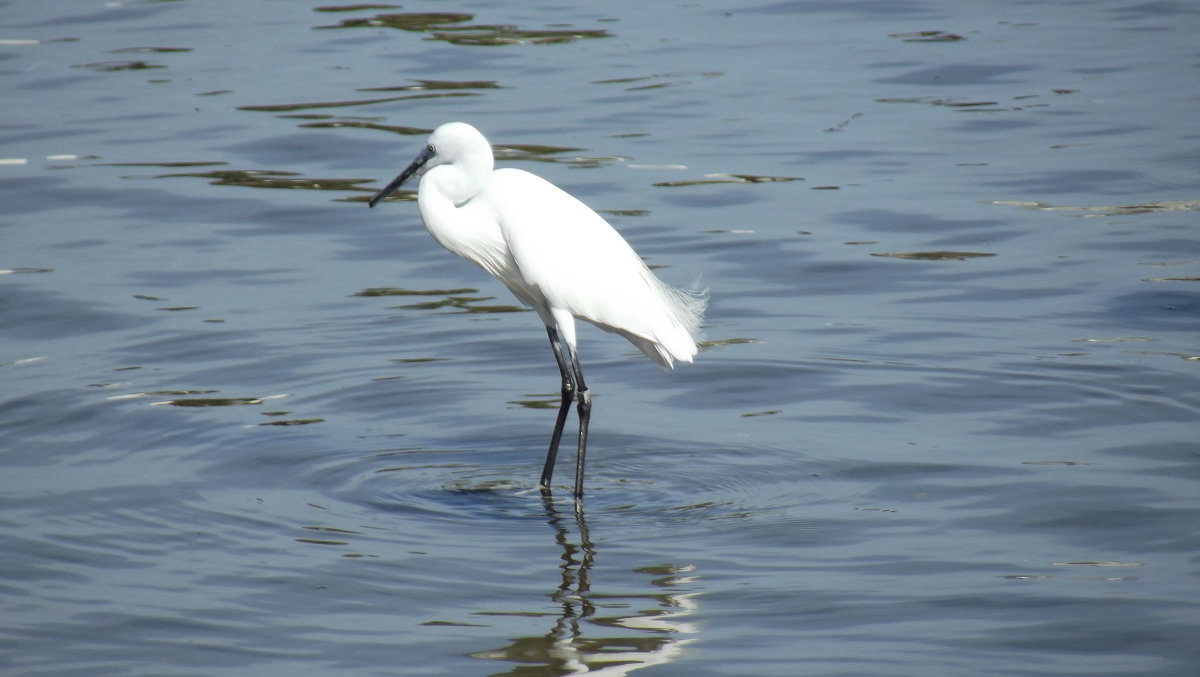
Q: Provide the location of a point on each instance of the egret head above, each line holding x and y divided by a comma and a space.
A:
454, 143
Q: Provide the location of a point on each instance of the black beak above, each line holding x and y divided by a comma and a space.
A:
412, 168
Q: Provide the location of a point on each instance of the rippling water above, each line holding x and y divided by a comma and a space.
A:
944, 422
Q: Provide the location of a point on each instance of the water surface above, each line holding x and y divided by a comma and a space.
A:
944, 422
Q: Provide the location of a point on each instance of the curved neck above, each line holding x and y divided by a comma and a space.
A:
461, 180
444, 199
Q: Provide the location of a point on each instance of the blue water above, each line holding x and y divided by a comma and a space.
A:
944, 421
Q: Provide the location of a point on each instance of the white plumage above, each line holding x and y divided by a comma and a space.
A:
555, 254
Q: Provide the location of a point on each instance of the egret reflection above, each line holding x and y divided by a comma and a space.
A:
603, 633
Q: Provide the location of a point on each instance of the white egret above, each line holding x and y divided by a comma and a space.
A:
556, 255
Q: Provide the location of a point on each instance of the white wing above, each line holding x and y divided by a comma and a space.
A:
572, 259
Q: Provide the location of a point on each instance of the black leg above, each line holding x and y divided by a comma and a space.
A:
585, 416
568, 394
